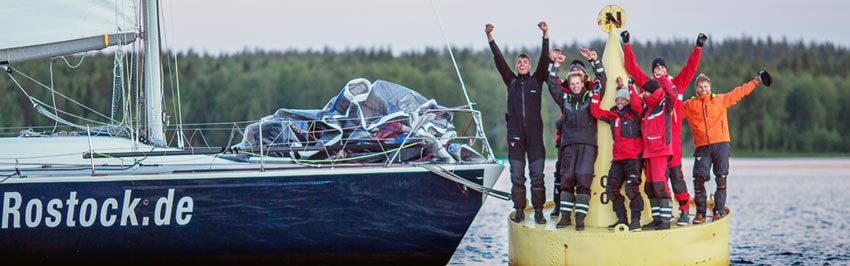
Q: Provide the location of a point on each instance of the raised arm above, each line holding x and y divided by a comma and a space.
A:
656, 97
631, 65
738, 93
554, 82
504, 70
634, 100
599, 113
542, 63
598, 70
596, 109
687, 73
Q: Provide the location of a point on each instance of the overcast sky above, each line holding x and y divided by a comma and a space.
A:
218, 26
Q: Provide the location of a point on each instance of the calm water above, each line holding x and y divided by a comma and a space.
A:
787, 212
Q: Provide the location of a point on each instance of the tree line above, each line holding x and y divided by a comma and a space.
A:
805, 111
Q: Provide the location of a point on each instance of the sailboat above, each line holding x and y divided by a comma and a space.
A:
325, 185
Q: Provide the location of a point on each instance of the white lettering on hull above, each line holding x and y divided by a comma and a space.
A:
92, 212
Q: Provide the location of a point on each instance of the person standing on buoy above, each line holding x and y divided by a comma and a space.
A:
575, 66
524, 123
680, 82
657, 149
706, 114
625, 165
578, 134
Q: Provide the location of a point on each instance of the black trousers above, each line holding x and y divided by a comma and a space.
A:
577, 168
627, 171
557, 184
711, 157
518, 150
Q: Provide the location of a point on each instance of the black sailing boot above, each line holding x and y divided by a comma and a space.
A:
618, 222
582, 201
683, 218
620, 211
538, 216
634, 226
656, 212
519, 215
666, 214
567, 202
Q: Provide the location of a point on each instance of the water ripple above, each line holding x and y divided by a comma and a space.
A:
787, 212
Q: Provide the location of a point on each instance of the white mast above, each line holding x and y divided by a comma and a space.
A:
153, 75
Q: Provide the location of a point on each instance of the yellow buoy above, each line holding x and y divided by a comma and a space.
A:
533, 244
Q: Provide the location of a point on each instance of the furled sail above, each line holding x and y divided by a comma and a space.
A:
49, 28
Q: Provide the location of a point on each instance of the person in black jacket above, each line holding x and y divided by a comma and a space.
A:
525, 126
578, 134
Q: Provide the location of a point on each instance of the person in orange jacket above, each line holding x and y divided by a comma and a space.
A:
706, 115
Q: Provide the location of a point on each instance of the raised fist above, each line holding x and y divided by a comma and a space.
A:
542, 25
589, 54
701, 39
560, 59
764, 78
554, 54
625, 35
488, 28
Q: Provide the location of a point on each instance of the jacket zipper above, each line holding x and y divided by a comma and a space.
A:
705, 121
522, 92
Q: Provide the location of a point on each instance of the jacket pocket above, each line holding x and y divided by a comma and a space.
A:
654, 144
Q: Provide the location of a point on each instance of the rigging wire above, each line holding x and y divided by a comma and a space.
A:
449, 48
58, 93
78, 63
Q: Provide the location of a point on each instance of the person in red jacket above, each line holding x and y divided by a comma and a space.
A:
680, 82
625, 165
657, 149
706, 114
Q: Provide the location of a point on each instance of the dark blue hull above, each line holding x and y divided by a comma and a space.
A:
365, 217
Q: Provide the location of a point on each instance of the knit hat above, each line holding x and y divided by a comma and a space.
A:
577, 63
623, 93
658, 61
651, 85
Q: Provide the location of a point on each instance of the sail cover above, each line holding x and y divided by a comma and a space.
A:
46, 28
359, 124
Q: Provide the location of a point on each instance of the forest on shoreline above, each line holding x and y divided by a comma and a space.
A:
806, 111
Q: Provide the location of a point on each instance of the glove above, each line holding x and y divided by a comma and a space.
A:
625, 35
764, 78
701, 40
597, 88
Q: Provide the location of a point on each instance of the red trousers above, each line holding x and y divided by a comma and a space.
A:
655, 169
